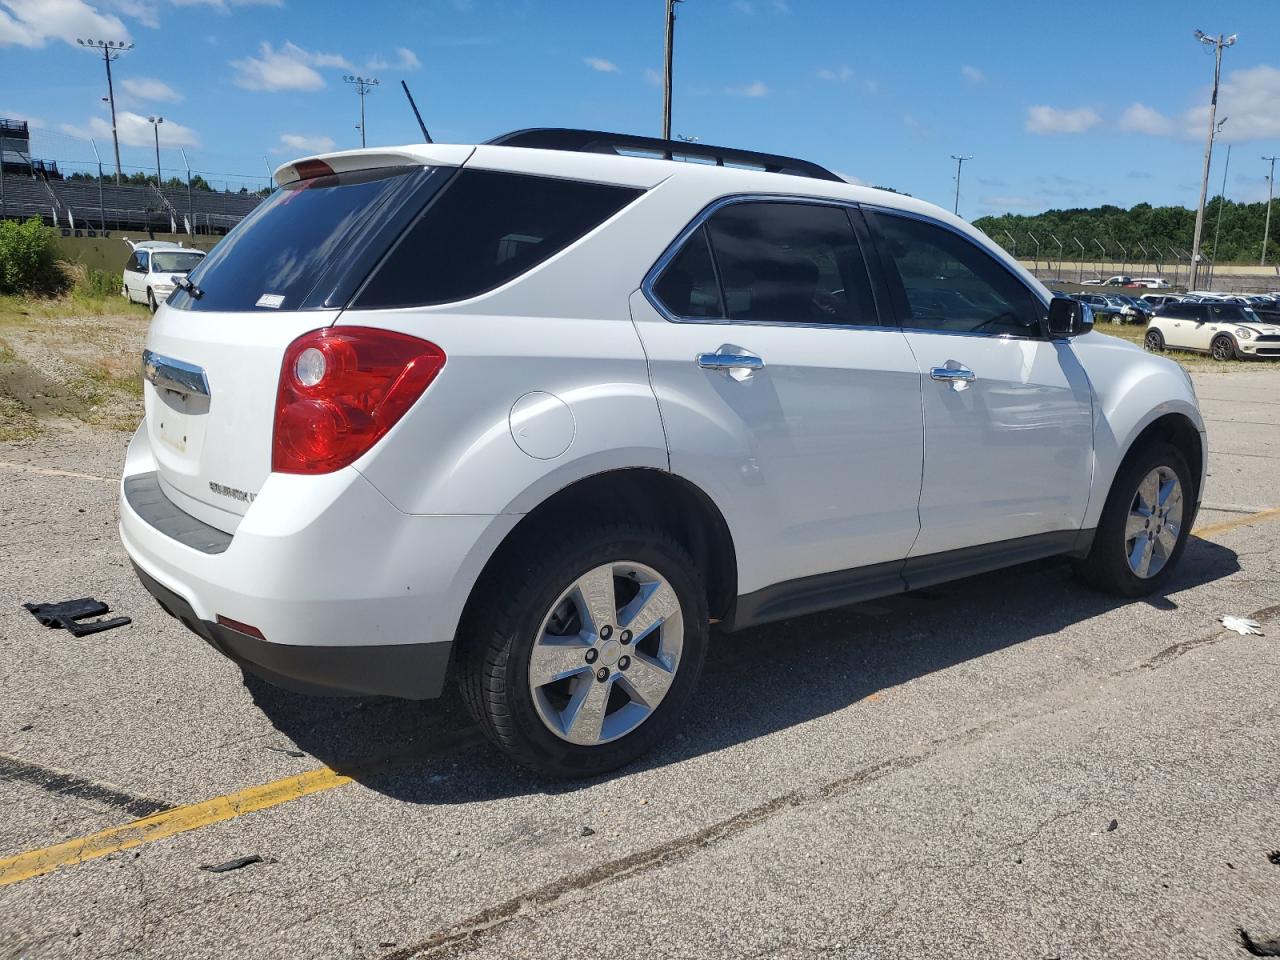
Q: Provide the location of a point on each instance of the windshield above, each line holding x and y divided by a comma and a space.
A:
280, 254
1232, 313
176, 262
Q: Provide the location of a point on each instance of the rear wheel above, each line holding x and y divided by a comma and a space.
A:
1154, 341
1144, 525
583, 656
1223, 348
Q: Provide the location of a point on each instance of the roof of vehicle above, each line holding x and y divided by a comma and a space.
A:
164, 245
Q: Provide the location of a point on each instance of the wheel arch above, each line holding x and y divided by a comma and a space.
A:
643, 494
1179, 430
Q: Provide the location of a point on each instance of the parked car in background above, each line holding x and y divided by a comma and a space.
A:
1225, 331
1091, 283
1160, 299
1152, 283
153, 269
1104, 308
1117, 281
1144, 309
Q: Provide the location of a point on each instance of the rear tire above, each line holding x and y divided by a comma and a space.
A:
1154, 341
1223, 348
536, 670
1145, 524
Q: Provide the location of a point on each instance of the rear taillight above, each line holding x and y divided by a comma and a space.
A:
341, 389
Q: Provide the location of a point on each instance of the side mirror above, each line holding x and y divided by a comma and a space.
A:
1068, 318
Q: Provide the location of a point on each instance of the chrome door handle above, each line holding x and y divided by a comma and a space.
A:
730, 361
952, 374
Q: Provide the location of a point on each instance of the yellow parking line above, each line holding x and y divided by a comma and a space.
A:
33, 863
1262, 516
50, 472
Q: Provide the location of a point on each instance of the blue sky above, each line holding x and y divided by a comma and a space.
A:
1060, 105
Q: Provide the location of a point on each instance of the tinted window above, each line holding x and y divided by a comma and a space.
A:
790, 263
484, 229
142, 256
177, 261
688, 286
132, 263
950, 283
285, 246
1231, 313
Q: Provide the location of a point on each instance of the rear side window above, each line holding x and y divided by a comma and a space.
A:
771, 262
485, 229
951, 284
279, 254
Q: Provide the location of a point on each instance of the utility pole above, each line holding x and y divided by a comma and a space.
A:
191, 204
959, 166
111, 50
155, 125
1266, 231
1219, 43
1222, 202
666, 67
364, 86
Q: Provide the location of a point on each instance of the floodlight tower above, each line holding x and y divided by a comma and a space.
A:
1219, 43
364, 86
111, 50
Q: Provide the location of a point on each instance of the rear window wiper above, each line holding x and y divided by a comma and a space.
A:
184, 283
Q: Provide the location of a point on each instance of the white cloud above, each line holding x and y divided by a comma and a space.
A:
604, 66
653, 77
745, 7
289, 68
35, 123
29, 23
300, 143
1139, 118
408, 59
972, 75
223, 6
1251, 98
757, 89
841, 74
135, 131
147, 88
1052, 120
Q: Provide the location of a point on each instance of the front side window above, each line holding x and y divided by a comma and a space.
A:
771, 262
485, 229
143, 257
949, 283
178, 262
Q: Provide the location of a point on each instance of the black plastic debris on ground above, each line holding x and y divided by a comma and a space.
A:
67, 614
1274, 857
236, 864
1258, 947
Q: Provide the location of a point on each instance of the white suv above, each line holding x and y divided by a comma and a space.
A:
540, 411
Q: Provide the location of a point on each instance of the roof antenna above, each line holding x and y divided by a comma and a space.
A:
425, 136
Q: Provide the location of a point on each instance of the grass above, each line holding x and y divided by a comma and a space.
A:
1137, 333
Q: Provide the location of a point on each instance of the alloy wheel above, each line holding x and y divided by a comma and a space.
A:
606, 653
1154, 522
1223, 349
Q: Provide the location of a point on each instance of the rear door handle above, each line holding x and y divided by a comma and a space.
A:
730, 361
952, 374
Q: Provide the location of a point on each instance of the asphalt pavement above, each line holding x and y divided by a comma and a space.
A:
1011, 766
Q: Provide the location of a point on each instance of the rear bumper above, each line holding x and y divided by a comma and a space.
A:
351, 596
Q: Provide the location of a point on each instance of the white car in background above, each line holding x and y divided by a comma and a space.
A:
536, 413
154, 269
1225, 331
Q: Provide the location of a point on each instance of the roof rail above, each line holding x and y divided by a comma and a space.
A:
626, 144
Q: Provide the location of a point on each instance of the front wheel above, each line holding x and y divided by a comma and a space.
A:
1145, 523
1154, 341
1223, 348
151, 301
584, 655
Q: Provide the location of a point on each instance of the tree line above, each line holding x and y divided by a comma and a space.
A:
1239, 240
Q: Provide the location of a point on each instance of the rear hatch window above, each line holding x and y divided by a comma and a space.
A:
311, 242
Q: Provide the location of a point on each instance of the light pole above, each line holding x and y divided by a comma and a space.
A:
111, 50
959, 166
155, 126
1219, 43
1222, 202
364, 86
668, 51
1266, 230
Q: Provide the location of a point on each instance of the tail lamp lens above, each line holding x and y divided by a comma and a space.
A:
341, 389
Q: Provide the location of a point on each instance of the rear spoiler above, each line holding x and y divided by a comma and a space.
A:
421, 154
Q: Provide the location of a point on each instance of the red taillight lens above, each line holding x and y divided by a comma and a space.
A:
341, 389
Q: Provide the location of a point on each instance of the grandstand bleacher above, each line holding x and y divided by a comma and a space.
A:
36, 188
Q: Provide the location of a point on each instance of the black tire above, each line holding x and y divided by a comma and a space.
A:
1107, 567
1223, 348
1154, 341
497, 642
151, 301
